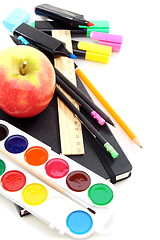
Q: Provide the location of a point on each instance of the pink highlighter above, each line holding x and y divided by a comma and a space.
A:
115, 41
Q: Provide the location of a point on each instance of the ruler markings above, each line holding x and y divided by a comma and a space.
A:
70, 127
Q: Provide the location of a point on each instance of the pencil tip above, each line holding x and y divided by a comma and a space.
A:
136, 141
113, 124
110, 122
76, 66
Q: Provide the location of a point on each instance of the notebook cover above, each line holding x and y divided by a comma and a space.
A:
45, 127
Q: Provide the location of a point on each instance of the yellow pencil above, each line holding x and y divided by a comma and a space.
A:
108, 107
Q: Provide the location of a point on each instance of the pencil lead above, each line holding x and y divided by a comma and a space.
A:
76, 66
110, 122
136, 141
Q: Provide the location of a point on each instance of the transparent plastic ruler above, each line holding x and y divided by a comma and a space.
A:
70, 127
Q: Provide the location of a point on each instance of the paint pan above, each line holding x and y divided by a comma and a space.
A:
32, 175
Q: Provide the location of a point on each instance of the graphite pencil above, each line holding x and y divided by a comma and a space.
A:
107, 146
84, 97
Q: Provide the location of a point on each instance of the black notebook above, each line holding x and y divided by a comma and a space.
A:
45, 127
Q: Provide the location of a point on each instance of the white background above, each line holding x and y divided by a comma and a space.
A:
130, 83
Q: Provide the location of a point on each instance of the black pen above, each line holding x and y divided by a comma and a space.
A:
80, 31
107, 146
46, 26
42, 40
61, 15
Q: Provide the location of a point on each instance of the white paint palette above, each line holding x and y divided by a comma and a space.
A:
57, 190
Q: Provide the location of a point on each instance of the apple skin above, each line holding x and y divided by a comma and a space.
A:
27, 95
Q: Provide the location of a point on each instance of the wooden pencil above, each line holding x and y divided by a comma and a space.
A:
108, 107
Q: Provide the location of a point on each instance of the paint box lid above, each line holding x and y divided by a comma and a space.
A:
16, 18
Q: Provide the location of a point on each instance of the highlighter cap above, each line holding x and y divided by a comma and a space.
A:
99, 26
115, 41
95, 48
95, 57
115, 46
15, 19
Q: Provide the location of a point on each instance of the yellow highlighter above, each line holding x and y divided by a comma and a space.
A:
92, 51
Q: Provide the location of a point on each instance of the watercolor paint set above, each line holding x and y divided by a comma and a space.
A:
62, 193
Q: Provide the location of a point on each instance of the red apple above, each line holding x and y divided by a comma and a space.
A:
27, 81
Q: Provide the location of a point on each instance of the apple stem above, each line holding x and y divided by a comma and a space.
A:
23, 68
